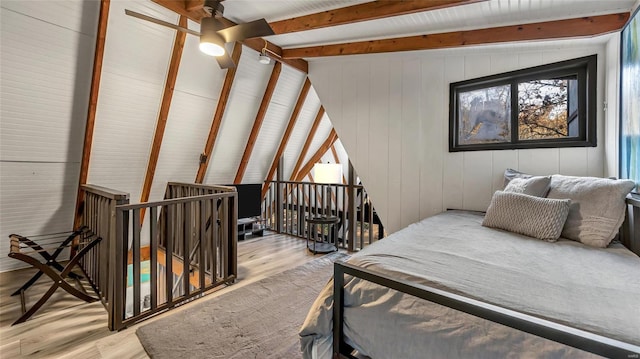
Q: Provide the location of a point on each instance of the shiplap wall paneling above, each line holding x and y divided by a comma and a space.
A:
431, 152
418, 133
349, 107
44, 92
390, 213
244, 100
378, 139
300, 131
136, 60
453, 164
363, 81
411, 141
274, 124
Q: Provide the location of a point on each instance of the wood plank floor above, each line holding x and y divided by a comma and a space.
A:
66, 327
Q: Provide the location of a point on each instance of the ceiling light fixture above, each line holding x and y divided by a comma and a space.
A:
211, 43
263, 58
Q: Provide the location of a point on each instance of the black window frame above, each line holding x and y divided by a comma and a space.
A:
585, 68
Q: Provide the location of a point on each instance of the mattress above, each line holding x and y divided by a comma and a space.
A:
592, 289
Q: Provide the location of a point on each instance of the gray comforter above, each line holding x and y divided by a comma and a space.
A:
597, 290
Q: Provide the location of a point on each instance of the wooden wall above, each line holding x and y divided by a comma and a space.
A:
391, 114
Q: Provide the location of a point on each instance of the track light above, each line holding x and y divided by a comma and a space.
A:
264, 59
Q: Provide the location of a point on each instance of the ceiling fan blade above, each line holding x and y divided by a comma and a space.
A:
225, 61
257, 28
160, 22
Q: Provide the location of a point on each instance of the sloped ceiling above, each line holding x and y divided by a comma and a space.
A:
47, 52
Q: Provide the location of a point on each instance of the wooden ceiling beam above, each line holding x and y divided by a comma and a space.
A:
257, 124
258, 44
163, 115
361, 12
578, 27
286, 135
195, 13
101, 37
205, 157
306, 169
307, 143
191, 5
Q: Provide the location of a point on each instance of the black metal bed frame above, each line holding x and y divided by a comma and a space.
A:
560, 333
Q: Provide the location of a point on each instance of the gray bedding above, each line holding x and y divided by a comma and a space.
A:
593, 289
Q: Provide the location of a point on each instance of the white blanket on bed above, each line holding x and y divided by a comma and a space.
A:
597, 290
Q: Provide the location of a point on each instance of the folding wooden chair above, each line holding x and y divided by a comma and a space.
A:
23, 248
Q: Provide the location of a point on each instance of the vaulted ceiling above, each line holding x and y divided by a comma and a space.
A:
156, 109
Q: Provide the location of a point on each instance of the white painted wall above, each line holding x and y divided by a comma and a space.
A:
46, 56
391, 114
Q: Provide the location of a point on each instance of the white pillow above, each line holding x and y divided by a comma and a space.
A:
534, 186
532, 216
597, 207
510, 174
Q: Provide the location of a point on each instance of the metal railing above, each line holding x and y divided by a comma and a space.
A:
287, 204
161, 254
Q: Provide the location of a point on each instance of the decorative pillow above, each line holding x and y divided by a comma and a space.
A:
597, 207
510, 174
532, 216
535, 186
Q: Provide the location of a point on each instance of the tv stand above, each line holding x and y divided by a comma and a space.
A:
248, 226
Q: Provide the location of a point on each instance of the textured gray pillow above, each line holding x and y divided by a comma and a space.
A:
597, 207
532, 216
535, 186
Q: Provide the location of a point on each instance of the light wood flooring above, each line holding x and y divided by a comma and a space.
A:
66, 327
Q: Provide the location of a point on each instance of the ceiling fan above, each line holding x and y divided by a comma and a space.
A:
214, 33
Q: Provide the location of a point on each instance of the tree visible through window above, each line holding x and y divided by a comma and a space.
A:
550, 102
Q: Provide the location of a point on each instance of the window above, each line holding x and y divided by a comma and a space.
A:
545, 106
629, 94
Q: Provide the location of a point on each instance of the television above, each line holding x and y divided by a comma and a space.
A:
249, 199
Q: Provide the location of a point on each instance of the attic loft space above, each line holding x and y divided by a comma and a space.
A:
196, 172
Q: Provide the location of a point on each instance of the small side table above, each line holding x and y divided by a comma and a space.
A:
322, 246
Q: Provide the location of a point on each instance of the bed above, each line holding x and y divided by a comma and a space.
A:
561, 286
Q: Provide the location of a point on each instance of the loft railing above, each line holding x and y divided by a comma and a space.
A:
99, 215
287, 204
142, 268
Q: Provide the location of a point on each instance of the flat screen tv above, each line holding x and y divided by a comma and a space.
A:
249, 199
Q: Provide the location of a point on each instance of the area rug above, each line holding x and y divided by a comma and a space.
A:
259, 320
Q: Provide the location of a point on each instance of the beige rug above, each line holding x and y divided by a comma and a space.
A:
259, 320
